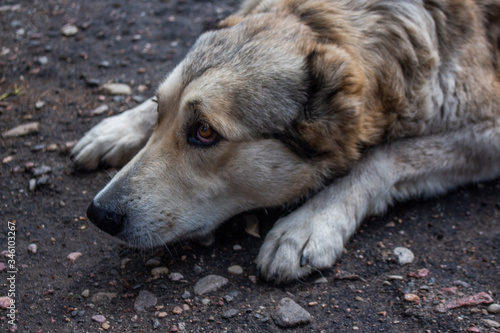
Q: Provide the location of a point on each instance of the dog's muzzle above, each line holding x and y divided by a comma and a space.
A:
110, 222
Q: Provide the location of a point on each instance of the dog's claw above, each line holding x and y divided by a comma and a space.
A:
76, 165
304, 260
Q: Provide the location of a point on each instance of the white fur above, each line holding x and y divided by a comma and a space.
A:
115, 140
315, 234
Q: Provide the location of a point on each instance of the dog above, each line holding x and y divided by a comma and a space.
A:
352, 104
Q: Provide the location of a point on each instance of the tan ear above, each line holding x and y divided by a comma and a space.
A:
230, 21
334, 115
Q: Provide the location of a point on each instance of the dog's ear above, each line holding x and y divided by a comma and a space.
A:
334, 119
230, 21
219, 23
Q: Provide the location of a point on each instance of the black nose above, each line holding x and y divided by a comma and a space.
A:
108, 221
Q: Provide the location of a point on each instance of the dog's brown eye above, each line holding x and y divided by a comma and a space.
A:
205, 132
204, 135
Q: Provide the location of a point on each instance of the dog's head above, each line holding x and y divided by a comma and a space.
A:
258, 114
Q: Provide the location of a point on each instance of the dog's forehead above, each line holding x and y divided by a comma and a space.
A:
253, 45
260, 84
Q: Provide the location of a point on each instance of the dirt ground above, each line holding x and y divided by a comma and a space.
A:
54, 80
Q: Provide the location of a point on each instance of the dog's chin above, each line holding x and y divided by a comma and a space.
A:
151, 239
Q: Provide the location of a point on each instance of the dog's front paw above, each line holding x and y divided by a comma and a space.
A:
298, 244
112, 142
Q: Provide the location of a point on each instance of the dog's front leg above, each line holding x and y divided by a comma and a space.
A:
313, 236
115, 140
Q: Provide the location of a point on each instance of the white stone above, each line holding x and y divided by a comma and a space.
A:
405, 256
69, 30
117, 89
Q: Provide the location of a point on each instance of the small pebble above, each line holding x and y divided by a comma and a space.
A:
159, 271
290, 314
86, 293
73, 256
491, 323
100, 109
37, 148
22, 130
209, 283
7, 159
423, 272
138, 98
39, 105
237, 247
235, 270
198, 269
5, 302
450, 290
124, 262
175, 277
144, 300
104, 64
33, 248
177, 310
411, 298
69, 30
405, 256
101, 297
494, 308
321, 280
156, 324
92, 83
32, 184
53, 147
16, 23
41, 61
206, 240
153, 262
162, 314
229, 313
252, 278
117, 89
395, 277
42, 170
461, 283
106, 326
99, 318
68, 145
252, 225
186, 294
205, 301
42, 180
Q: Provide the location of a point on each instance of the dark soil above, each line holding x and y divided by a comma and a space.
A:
456, 237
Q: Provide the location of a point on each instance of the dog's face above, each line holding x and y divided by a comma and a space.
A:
237, 129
